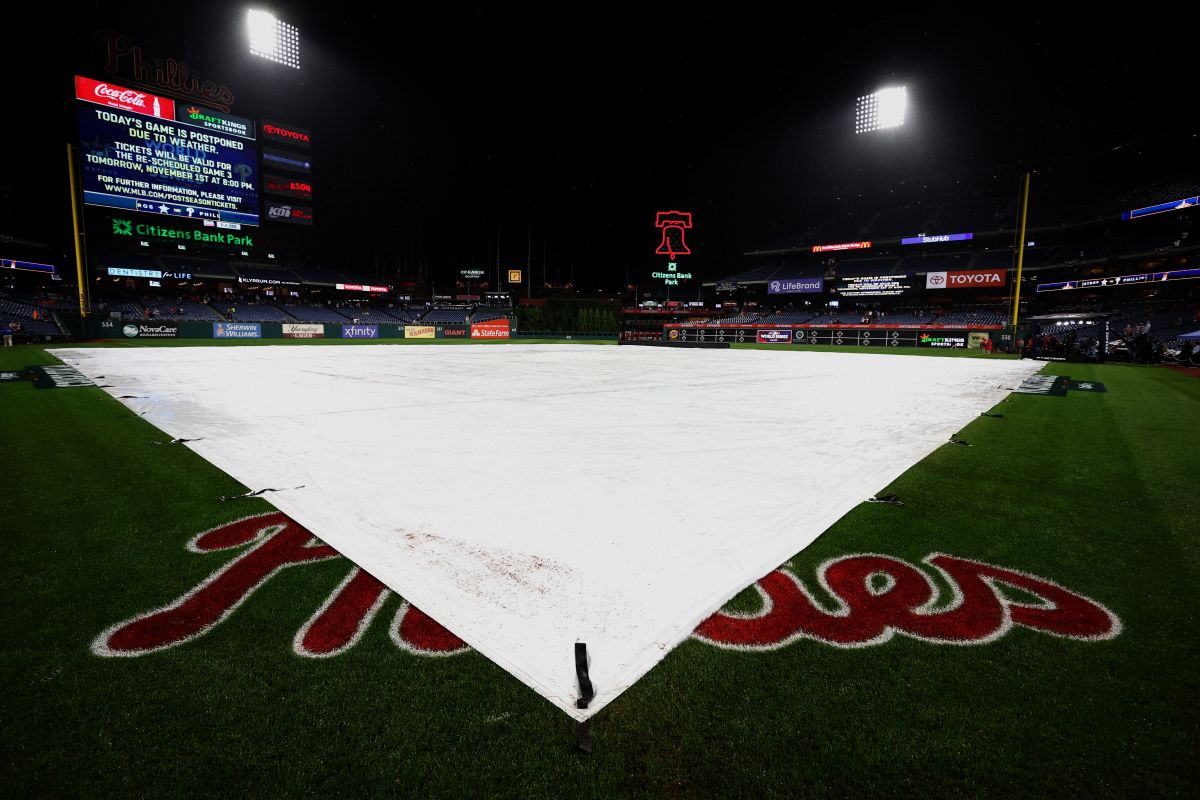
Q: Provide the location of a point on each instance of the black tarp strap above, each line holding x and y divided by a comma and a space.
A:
953, 440
993, 416
180, 441
890, 499
256, 494
583, 731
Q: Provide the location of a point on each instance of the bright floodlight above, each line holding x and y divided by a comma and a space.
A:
883, 109
273, 39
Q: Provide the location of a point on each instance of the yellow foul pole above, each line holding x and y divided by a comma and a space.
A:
75, 227
1020, 251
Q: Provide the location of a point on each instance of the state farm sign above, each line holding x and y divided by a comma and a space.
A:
495, 329
966, 279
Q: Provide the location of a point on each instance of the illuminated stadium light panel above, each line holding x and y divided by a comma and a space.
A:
273, 39
885, 108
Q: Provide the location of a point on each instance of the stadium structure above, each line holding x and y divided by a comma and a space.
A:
898, 502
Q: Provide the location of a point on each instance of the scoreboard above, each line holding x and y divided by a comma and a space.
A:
141, 152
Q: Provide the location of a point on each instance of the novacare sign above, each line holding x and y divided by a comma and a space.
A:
966, 279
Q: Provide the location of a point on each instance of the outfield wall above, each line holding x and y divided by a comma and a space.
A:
845, 335
132, 330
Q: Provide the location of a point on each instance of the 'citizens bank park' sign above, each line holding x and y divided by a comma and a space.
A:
874, 599
966, 279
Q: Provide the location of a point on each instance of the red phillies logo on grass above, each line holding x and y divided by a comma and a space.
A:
874, 597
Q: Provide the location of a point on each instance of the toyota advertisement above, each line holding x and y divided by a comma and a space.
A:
966, 279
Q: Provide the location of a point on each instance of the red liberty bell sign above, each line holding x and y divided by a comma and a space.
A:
673, 224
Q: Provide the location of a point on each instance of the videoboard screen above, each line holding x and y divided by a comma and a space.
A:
874, 285
141, 162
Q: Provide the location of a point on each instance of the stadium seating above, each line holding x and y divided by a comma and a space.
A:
446, 316
788, 318
186, 311
980, 315
16, 311
260, 312
317, 313
405, 315
484, 314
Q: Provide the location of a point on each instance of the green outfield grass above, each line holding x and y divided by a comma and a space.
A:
1096, 492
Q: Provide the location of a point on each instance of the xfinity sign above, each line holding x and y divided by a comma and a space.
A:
796, 286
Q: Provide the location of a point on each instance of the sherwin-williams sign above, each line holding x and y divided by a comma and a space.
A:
796, 286
303, 330
237, 330
360, 331
420, 332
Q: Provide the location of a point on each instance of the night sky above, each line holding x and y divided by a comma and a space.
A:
433, 127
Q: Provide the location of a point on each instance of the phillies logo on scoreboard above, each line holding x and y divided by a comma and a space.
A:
966, 279
871, 599
106, 94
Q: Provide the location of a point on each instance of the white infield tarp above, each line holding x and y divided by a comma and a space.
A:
529, 497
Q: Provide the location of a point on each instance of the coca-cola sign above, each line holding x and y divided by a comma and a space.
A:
107, 94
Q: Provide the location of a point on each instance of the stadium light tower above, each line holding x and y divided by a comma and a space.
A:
272, 38
885, 108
